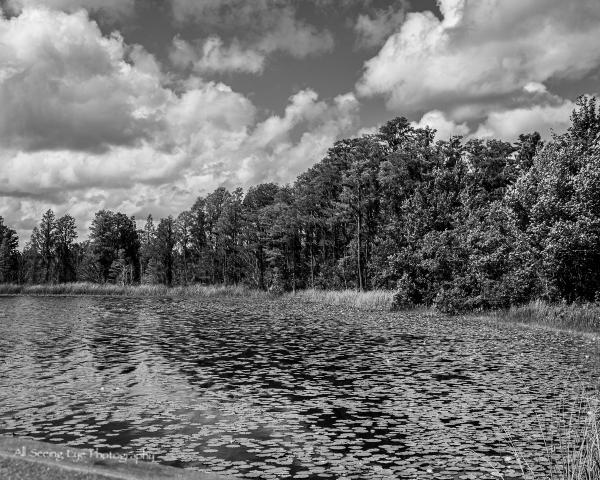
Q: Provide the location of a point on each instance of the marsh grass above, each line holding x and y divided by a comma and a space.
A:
380, 300
578, 317
84, 288
571, 441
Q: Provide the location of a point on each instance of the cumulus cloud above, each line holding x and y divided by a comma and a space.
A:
213, 56
65, 85
263, 26
271, 147
87, 119
445, 128
508, 124
374, 29
482, 53
296, 38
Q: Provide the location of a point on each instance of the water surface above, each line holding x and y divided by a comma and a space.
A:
273, 390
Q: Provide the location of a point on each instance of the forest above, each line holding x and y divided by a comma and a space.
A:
457, 224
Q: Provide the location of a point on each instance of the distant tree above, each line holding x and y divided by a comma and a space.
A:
9, 255
585, 122
164, 249
114, 238
43, 240
184, 232
147, 238
256, 200
64, 236
457, 224
198, 241
87, 268
229, 228
214, 203
283, 251
360, 199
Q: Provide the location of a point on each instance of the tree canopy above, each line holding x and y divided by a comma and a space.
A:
459, 224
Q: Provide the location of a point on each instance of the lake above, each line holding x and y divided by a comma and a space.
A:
278, 390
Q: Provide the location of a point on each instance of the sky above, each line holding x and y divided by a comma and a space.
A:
141, 106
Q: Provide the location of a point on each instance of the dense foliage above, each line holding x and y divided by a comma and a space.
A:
457, 224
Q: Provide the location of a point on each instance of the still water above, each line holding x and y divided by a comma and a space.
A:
274, 390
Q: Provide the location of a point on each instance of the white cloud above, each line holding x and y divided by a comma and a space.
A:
482, 53
445, 128
373, 30
508, 124
89, 122
264, 27
535, 87
271, 149
213, 56
64, 85
296, 38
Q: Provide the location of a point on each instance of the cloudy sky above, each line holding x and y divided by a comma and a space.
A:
142, 105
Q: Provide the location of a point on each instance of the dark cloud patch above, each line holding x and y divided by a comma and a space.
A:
51, 196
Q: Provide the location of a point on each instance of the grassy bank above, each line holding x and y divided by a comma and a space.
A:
84, 288
380, 300
576, 317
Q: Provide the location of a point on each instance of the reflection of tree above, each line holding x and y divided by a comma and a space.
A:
115, 336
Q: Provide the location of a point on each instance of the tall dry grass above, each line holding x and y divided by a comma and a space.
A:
571, 443
580, 317
85, 288
380, 300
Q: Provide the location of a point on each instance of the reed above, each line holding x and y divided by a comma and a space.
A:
85, 288
380, 300
571, 442
583, 317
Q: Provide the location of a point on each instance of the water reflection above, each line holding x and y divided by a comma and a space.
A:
266, 390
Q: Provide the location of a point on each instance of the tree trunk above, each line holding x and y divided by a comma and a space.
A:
358, 253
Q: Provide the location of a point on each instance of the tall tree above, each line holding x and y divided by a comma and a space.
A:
256, 200
44, 241
64, 237
114, 238
164, 249
360, 199
147, 238
9, 255
184, 229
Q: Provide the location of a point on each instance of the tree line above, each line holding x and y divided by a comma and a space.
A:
457, 224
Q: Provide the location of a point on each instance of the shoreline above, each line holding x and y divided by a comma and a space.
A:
581, 318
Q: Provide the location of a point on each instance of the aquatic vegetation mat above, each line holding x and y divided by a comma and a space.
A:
274, 389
